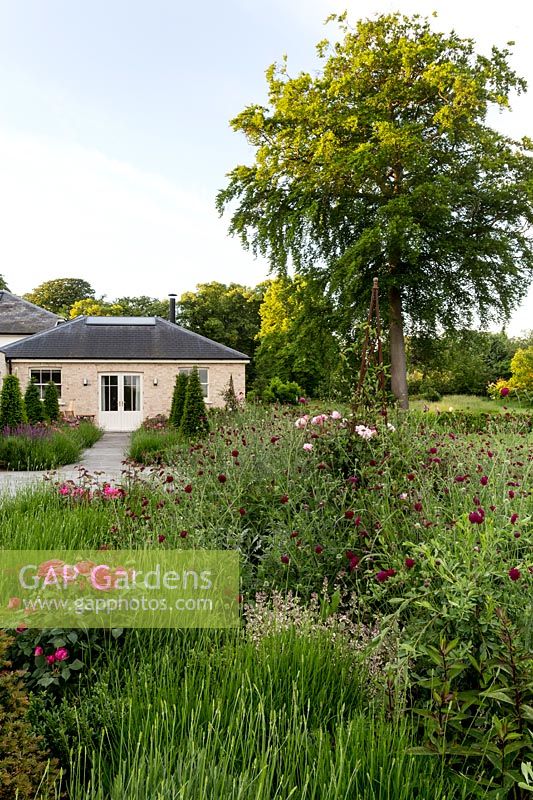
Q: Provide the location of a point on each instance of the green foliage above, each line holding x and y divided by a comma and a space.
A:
11, 403
231, 402
522, 370
33, 403
459, 362
178, 399
229, 314
194, 420
279, 392
142, 306
38, 448
51, 402
382, 163
153, 446
26, 773
59, 295
3, 284
296, 342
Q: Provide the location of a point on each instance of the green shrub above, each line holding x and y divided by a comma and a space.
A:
33, 403
429, 393
194, 420
51, 402
11, 403
26, 773
279, 392
149, 446
178, 399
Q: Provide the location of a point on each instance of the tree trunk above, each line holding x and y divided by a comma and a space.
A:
397, 349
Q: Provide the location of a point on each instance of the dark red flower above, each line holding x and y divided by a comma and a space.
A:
410, 476
417, 506
275, 439
285, 559
319, 549
234, 453
384, 574
349, 514
504, 391
354, 562
284, 498
222, 479
476, 518
484, 480
514, 573
409, 563
511, 494
242, 511
184, 534
161, 538
188, 488
514, 517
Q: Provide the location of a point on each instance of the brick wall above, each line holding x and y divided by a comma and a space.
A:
81, 400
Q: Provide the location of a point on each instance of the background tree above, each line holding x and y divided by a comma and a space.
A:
95, 307
296, 343
194, 419
59, 295
178, 399
11, 403
33, 403
229, 314
383, 164
3, 284
51, 402
143, 306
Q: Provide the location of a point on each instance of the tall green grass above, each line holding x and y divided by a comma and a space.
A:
60, 446
183, 716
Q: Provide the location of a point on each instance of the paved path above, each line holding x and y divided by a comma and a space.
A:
103, 460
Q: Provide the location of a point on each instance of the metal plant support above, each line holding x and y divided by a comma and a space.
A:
372, 354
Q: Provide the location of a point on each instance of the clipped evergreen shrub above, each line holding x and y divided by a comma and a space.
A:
26, 772
178, 399
194, 420
11, 403
279, 391
51, 402
33, 404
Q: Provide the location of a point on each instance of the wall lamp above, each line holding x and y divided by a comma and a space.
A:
86, 381
156, 381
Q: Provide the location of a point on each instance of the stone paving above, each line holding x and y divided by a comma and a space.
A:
103, 460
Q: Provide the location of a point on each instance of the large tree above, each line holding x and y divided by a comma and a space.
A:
229, 314
383, 163
3, 284
60, 294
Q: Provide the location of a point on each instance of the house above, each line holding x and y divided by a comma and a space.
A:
122, 370
19, 319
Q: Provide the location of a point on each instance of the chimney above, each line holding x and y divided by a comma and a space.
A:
172, 309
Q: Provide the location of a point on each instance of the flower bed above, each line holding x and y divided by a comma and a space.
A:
41, 446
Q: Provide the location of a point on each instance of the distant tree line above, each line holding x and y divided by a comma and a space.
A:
296, 335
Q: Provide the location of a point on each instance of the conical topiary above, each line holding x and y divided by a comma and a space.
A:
33, 403
194, 420
178, 399
51, 402
11, 403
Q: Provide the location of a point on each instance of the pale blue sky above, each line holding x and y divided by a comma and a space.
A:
114, 134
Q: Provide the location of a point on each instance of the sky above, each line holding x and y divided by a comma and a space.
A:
115, 135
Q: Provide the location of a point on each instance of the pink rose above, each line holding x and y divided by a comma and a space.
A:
38, 651
61, 654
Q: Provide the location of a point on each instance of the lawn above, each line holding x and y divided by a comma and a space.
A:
385, 648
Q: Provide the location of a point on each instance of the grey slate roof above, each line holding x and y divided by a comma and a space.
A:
121, 338
20, 316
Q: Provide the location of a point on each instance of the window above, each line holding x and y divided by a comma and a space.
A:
44, 376
203, 374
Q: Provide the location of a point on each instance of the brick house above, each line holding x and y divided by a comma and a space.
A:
20, 319
121, 370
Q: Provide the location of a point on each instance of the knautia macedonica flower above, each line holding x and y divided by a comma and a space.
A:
514, 573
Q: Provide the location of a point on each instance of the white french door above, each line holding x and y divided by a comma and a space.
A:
120, 401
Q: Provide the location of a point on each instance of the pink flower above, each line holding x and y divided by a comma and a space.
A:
308, 447
111, 491
38, 651
301, 422
319, 419
50, 659
302, 400
504, 391
384, 575
514, 573
63, 489
61, 654
336, 415
13, 603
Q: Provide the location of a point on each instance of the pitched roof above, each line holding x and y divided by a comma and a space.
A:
121, 338
20, 316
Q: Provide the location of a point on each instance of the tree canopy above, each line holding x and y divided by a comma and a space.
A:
3, 284
383, 163
60, 294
